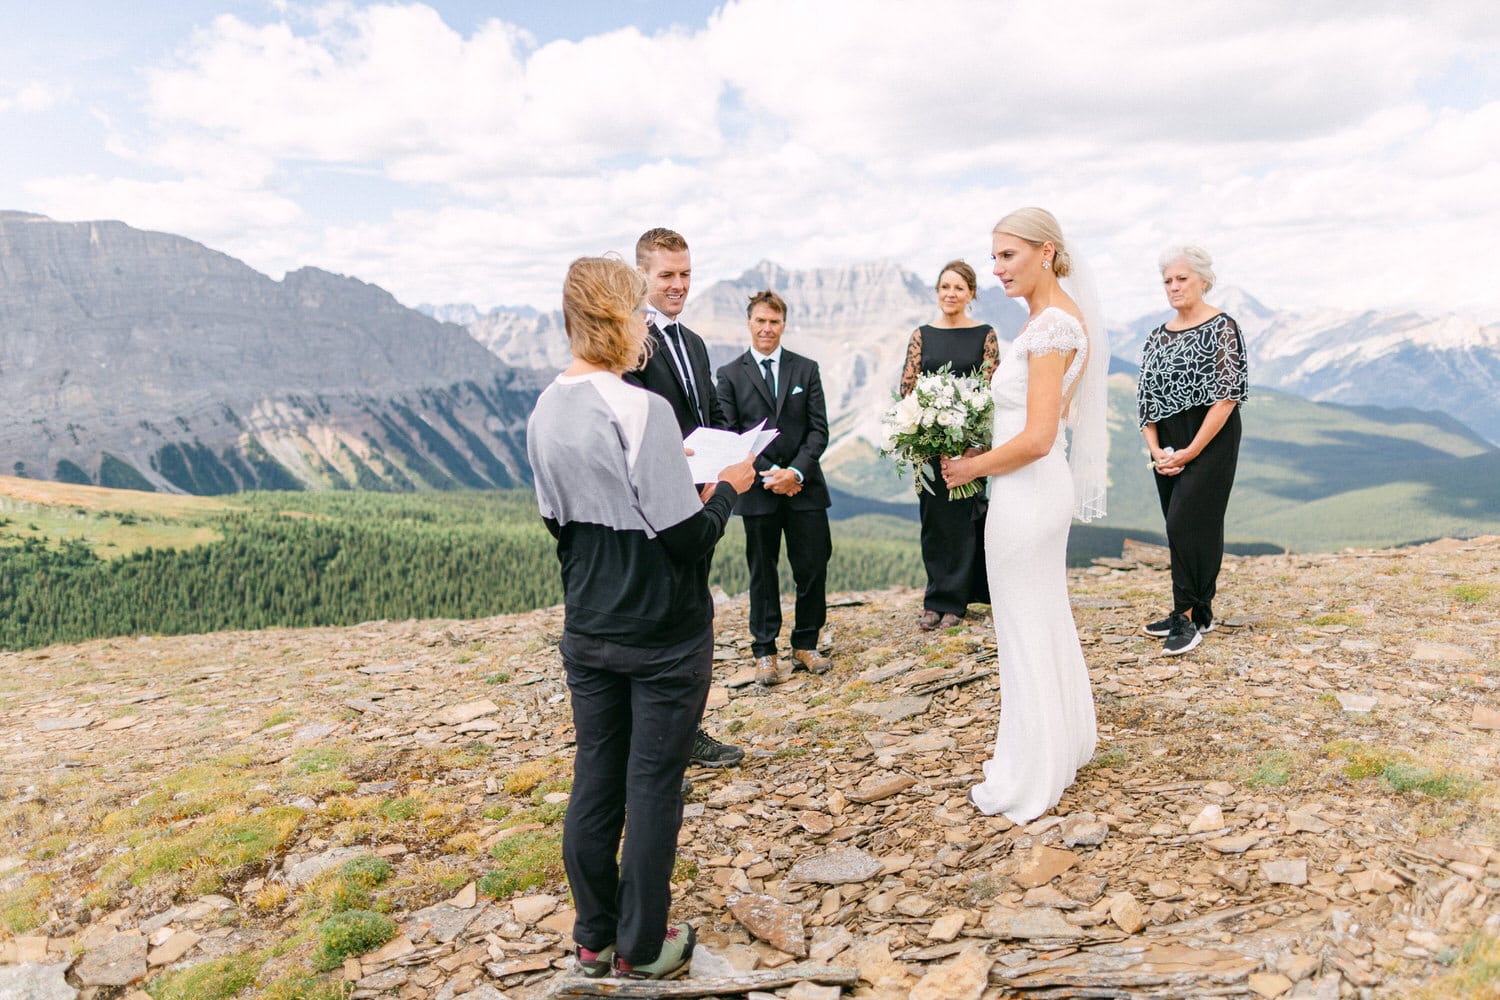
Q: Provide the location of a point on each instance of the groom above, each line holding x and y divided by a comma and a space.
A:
789, 498
677, 370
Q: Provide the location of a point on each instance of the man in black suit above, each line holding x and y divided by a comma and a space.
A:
677, 370
783, 389
678, 367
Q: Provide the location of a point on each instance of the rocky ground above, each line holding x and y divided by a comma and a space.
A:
1305, 806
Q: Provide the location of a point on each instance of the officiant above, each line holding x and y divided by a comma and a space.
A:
769, 383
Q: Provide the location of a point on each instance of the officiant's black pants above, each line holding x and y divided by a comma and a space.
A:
952, 548
808, 547
635, 711
1194, 503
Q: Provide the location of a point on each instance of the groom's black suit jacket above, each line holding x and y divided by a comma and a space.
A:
798, 412
660, 376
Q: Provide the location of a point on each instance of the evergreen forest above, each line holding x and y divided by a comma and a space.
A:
338, 558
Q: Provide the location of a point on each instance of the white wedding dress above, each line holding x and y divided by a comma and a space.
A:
1046, 708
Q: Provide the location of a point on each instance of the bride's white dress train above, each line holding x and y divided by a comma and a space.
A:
1047, 729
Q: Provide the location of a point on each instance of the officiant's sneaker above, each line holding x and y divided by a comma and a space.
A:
1183, 636
768, 671
811, 661
676, 953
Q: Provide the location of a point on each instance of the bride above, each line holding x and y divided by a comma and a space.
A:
1053, 376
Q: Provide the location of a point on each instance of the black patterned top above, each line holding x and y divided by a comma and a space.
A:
1200, 366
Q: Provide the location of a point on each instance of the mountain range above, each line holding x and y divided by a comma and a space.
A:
146, 360
149, 361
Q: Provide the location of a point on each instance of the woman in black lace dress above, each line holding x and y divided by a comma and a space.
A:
1193, 378
952, 530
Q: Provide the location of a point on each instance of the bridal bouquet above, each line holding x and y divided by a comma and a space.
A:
942, 415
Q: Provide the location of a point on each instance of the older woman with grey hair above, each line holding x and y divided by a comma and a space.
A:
1193, 378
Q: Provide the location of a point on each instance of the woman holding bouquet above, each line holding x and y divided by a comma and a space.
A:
952, 528
1052, 377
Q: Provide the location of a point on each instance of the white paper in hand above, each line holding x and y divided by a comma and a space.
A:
715, 450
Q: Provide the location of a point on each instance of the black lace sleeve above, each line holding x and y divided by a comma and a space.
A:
913, 366
991, 354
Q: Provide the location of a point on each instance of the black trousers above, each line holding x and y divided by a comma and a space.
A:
952, 548
635, 711
1193, 504
808, 546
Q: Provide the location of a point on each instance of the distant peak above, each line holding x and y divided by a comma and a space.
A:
16, 215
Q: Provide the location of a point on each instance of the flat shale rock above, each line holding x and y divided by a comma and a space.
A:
529, 909
1084, 831
1237, 844
120, 961
963, 978
1442, 652
34, 981
1126, 912
872, 956
828, 942
57, 725
947, 927
896, 709
772, 921
442, 922
1351, 702
841, 867
736, 793
454, 715
1029, 924
307, 869
1287, 871
1485, 718
1043, 865
1207, 821
880, 786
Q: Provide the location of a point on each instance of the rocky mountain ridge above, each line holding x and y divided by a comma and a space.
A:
854, 322
1304, 807
148, 360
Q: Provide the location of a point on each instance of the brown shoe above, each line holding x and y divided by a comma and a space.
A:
950, 620
768, 672
811, 661
928, 621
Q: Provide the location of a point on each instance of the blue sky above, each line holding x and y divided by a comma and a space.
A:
1346, 156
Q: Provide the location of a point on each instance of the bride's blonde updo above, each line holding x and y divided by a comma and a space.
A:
1037, 226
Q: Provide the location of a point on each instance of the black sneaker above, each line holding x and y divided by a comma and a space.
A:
1183, 637
709, 752
1161, 629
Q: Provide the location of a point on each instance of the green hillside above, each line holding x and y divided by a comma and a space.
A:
1312, 476
81, 562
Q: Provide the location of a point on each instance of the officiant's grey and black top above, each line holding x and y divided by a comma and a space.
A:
633, 537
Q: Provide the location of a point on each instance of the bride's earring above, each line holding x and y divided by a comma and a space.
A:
1046, 265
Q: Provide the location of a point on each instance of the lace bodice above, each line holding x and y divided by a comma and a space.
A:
1051, 330
1055, 330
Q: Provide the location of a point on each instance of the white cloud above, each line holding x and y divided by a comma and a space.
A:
1299, 141
31, 98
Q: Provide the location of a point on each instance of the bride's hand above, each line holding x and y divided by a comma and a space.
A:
956, 471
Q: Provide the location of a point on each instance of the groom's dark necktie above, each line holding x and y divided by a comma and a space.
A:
765, 364
673, 336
